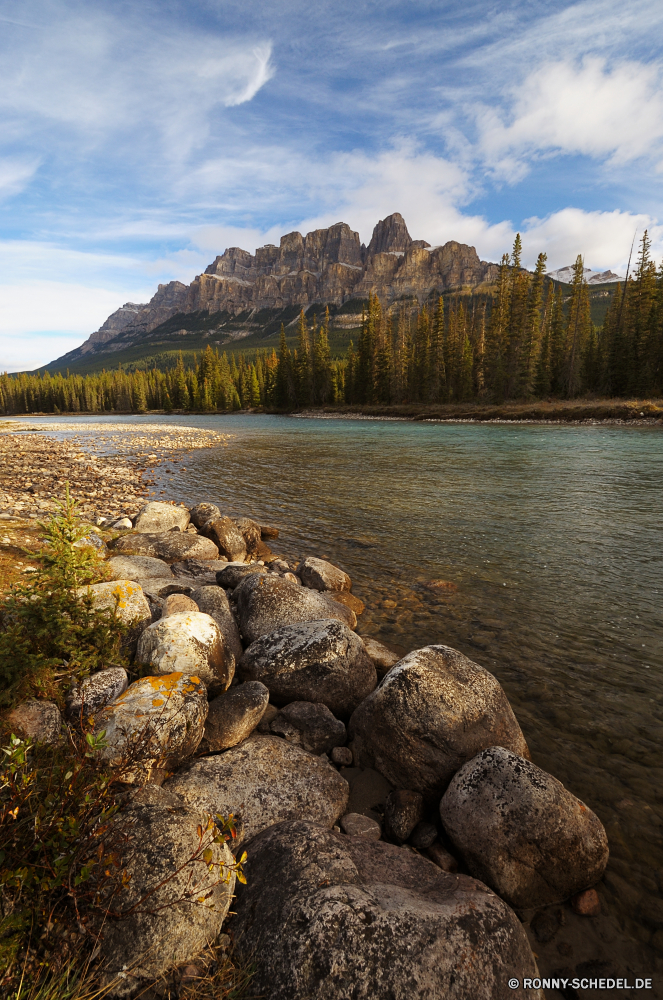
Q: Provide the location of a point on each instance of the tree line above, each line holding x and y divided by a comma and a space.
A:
527, 340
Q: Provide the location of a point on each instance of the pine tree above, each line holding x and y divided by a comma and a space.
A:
577, 329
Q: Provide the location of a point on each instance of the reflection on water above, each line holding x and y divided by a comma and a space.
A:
553, 538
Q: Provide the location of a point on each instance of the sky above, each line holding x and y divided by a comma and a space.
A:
140, 139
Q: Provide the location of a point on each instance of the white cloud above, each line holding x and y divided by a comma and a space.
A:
15, 175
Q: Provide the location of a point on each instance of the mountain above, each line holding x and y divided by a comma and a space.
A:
244, 295
565, 274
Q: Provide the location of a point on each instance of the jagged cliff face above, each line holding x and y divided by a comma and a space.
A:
326, 266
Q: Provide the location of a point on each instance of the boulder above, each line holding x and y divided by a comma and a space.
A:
423, 836
316, 661
138, 567
441, 857
403, 810
212, 601
176, 604
201, 571
159, 516
432, 712
95, 692
188, 643
250, 532
268, 531
358, 825
268, 602
368, 920
203, 512
519, 830
310, 726
383, 659
172, 546
159, 588
35, 720
349, 600
122, 524
341, 756
234, 715
126, 599
318, 574
163, 923
226, 536
154, 726
231, 575
263, 781
92, 541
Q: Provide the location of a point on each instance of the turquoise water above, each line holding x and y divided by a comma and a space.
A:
552, 536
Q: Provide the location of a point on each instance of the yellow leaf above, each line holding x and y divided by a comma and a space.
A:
208, 855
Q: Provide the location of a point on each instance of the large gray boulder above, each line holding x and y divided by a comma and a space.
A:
318, 574
201, 571
520, 831
172, 546
250, 532
159, 516
266, 603
234, 715
138, 567
95, 692
188, 642
213, 601
432, 712
203, 512
126, 600
232, 574
226, 536
321, 661
263, 781
163, 923
348, 918
310, 726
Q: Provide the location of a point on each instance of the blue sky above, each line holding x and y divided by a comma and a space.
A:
138, 140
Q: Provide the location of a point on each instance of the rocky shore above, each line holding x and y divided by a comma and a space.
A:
400, 841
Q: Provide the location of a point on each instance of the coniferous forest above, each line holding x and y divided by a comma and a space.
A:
528, 340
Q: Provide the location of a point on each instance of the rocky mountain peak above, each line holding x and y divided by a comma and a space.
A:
390, 235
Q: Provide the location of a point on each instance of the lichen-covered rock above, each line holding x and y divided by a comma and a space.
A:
188, 643
250, 532
316, 661
266, 603
201, 571
263, 781
203, 512
432, 712
92, 541
96, 691
163, 857
383, 658
234, 715
176, 604
126, 599
169, 545
154, 726
368, 920
212, 601
162, 587
34, 720
519, 830
310, 726
358, 825
318, 574
159, 516
231, 576
226, 536
138, 567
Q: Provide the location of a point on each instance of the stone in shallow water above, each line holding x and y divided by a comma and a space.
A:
250, 532
226, 536
159, 516
203, 512
318, 574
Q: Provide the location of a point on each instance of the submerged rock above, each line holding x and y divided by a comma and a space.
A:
432, 712
159, 516
234, 715
367, 919
190, 643
318, 574
266, 603
315, 661
263, 781
520, 831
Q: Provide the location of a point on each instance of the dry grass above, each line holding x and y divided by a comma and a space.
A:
20, 538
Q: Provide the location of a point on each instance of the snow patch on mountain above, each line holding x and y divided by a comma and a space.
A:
591, 277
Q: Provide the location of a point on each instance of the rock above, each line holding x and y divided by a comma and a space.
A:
203, 512
442, 858
201, 571
263, 781
188, 643
318, 574
176, 604
157, 516
317, 661
35, 720
122, 524
433, 711
162, 587
266, 603
234, 715
154, 726
356, 825
138, 568
126, 600
383, 658
264, 726
268, 531
213, 601
167, 875
368, 791
587, 903
96, 691
520, 831
423, 836
341, 756
226, 536
315, 728
250, 532
92, 541
293, 578
349, 600
169, 545
368, 920
231, 575
403, 810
